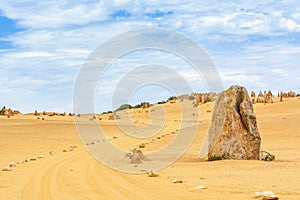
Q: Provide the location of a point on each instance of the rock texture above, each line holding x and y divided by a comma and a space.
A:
137, 157
233, 133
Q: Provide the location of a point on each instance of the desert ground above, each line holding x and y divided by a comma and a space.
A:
78, 175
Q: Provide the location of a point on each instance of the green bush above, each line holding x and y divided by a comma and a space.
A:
2, 111
161, 102
171, 98
266, 156
215, 157
272, 157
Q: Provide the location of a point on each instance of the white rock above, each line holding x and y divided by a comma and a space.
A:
40, 156
268, 193
12, 164
20, 162
265, 194
6, 169
153, 173
52, 153
177, 180
200, 187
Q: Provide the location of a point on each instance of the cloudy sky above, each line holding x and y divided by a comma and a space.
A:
43, 45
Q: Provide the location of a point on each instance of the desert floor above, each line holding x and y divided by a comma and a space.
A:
77, 175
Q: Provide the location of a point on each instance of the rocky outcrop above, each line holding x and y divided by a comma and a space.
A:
253, 97
289, 94
202, 98
233, 133
137, 157
8, 112
114, 116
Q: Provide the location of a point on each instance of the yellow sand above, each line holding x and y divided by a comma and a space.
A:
77, 175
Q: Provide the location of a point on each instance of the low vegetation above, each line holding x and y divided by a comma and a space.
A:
215, 157
266, 156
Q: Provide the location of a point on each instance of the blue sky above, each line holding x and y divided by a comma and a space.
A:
44, 43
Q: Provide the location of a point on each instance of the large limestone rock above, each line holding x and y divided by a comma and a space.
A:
233, 133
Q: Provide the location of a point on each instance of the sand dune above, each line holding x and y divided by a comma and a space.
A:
77, 175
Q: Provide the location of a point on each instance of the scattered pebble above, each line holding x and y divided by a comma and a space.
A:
177, 180
267, 195
153, 173
20, 162
6, 168
40, 156
200, 187
12, 164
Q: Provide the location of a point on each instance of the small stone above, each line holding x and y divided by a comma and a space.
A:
40, 156
200, 187
153, 173
267, 195
6, 169
177, 180
20, 162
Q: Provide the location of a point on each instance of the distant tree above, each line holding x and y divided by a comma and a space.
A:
161, 102
138, 105
172, 98
106, 112
2, 111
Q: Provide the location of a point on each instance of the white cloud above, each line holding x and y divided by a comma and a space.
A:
280, 72
289, 24
250, 42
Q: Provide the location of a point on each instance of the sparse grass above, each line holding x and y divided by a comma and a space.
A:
267, 156
215, 157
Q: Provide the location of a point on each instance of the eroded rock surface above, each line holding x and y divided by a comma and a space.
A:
233, 133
